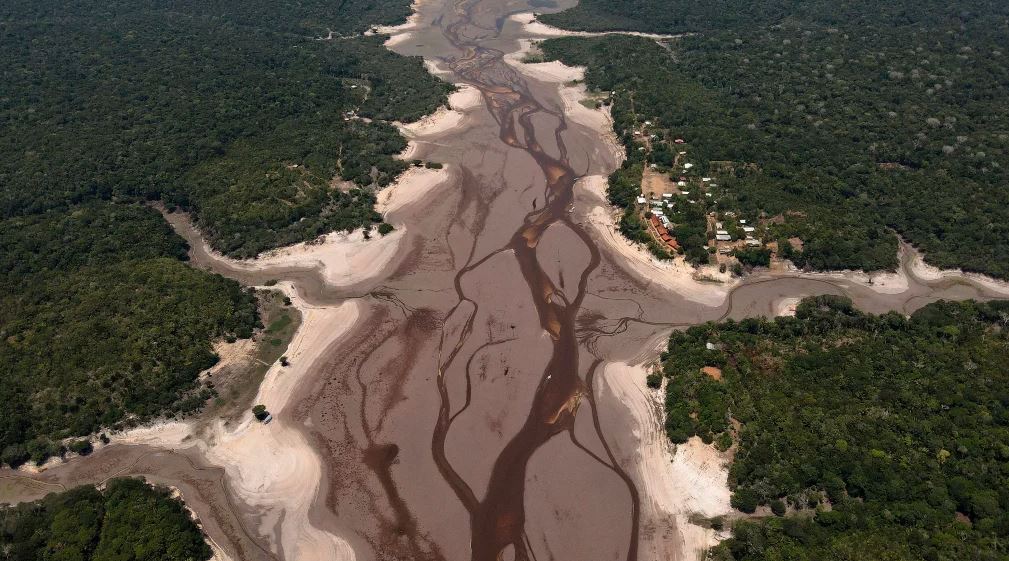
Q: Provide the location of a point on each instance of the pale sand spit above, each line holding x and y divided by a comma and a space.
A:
914, 263
416, 184
465, 99
342, 258
786, 307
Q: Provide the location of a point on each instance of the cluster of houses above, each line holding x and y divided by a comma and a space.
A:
723, 238
664, 235
660, 222
728, 236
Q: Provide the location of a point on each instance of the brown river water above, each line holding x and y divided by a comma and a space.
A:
460, 416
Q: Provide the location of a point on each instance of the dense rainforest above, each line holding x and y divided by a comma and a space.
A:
871, 437
268, 121
102, 321
235, 111
128, 520
845, 123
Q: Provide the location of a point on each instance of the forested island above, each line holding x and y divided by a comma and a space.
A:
870, 437
127, 520
839, 127
268, 122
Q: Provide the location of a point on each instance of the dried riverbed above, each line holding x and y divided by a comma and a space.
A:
470, 386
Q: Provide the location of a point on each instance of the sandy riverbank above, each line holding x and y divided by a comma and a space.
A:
675, 483
273, 467
882, 282
786, 307
914, 263
448, 118
342, 258
415, 185
912, 271
571, 89
533, 27
402, 32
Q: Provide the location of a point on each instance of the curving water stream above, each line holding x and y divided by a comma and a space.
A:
466, 413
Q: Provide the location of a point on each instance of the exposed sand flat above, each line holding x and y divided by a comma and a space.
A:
786, 307
553, 71
445, 119
416, 184
272, 466
914, 263
402, 32
673, 484
341, 258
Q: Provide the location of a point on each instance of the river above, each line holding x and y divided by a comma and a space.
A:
486, 401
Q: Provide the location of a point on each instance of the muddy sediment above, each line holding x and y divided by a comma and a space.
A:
470, 411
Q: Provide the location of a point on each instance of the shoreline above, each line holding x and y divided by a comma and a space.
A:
272, 467
531, 25
675, 275
279, 470
676, 482
454, 115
